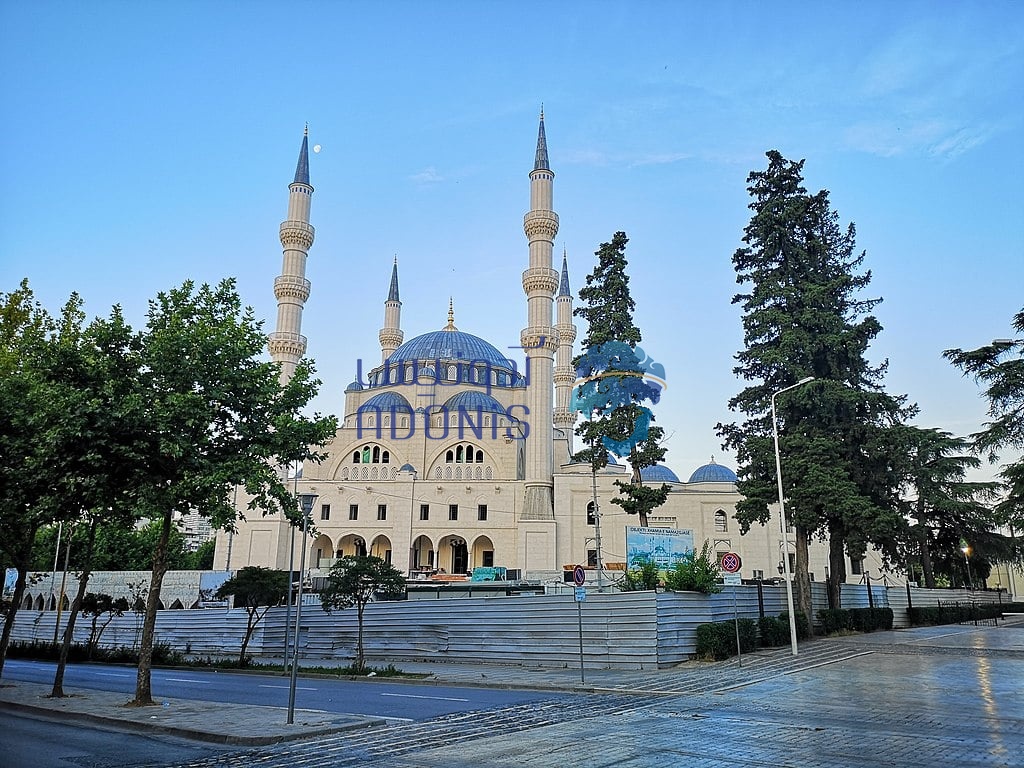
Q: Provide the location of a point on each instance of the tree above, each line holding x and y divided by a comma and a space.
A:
355, 580
614, 386
999, 367
254, 587
216, 417
202, 558
696, 573
945, 505
95, 605
802, 316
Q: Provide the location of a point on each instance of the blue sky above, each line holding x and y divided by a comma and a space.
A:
149, 143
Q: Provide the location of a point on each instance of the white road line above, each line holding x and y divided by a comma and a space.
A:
186, 680
286, 687
113, 674
413, 696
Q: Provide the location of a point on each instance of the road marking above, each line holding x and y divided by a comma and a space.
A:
414, 696
287, 687
112, 674
186, 680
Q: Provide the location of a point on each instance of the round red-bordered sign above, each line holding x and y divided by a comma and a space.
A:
731, 562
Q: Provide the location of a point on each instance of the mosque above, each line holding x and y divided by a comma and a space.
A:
452, 459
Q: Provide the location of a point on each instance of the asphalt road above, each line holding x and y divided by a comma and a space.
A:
399, 702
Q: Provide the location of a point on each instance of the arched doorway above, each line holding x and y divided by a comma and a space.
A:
422, 554
458, 554
381, 547
322, 552
352, 544
482, 553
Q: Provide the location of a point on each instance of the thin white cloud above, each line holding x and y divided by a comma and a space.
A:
428, 175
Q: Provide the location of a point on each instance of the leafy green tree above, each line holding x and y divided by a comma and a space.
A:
944, 504
96, 605
999, 368
644, 574
614, 386
355, 580
696, 573
216, 417
802, 316
254, 587
202, 558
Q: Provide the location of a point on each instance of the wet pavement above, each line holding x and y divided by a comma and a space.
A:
921, 697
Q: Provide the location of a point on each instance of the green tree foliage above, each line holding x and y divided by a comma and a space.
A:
945, 506
696, 573
355, 580
215, 417
802, 316
999, 368
254, 587
67, 443
644, 574
96, 605
614, 388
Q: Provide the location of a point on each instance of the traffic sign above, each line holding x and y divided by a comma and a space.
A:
731, 562
732, 579
579, 576
581, 594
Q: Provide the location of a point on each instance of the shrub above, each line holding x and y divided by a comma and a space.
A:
696, 573
718, 640
773, 631
960, 612
803, 629
833, 620
870, 619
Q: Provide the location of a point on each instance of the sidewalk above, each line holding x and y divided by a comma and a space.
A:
254, 725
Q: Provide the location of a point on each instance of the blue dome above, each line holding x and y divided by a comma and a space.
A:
355, 386
386, 402
407, 468
450, 345
471, 402
713, 473
658, 474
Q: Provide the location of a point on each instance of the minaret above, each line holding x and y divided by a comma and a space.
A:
539, 337
565, 375
391, 334
287, 345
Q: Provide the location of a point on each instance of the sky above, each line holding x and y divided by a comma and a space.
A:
145, 144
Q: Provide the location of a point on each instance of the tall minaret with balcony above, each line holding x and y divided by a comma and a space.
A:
539, 338
391, 334
565, 374
286, 344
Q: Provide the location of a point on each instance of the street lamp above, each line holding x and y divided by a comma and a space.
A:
966, 550
306, 502
782, 515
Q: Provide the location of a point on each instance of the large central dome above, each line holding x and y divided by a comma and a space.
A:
450, 345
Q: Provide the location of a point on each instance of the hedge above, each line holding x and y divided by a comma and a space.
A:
773, 631
855, 619
962, 612
718, 640
803, 628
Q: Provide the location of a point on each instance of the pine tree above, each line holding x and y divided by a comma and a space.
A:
802, 316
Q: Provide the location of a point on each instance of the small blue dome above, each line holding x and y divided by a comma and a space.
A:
386, 402
450, 345
407, 468
658, 474
713, 473
471, 402
355, 386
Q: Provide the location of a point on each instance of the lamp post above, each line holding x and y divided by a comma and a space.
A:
306, 502
782, 516
970, 579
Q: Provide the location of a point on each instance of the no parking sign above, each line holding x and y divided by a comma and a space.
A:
731, 562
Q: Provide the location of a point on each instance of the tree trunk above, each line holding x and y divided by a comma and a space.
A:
250, 625
802, 583
22, 563
57, 691
143, 680
359, 638
836, 567
926, 561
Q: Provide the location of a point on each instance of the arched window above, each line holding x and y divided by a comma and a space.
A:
385, 457
355, 457
376, 454
721, 522
449, 457
479, 457
366, 454
458, 454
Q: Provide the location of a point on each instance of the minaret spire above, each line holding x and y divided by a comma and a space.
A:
391, 335
451, 316
540, 338
565, 374
287, 345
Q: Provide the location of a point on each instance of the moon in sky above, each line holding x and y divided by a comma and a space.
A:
316, 147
